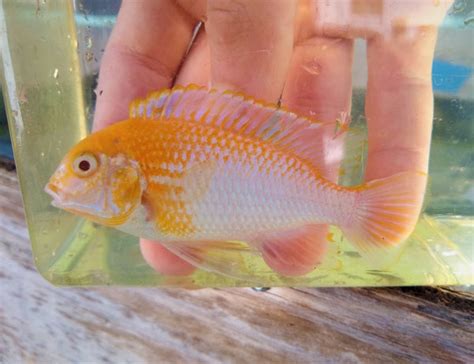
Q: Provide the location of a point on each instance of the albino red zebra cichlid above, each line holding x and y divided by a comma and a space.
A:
192, 166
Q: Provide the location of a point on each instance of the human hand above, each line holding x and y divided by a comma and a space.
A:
296, 52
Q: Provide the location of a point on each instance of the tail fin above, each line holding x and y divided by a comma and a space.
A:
386, 210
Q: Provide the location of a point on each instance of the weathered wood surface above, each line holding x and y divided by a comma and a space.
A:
41, 323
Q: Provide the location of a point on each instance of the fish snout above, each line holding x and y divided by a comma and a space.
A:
54, 191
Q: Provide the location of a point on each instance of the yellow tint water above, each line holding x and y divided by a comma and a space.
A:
48, 102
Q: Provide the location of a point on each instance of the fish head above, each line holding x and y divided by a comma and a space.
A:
94, 184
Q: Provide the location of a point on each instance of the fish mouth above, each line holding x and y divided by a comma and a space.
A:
79, 209
53, 191
58, 200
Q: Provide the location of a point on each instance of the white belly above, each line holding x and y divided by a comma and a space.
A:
242, 202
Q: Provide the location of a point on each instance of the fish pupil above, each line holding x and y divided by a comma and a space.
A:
84, 165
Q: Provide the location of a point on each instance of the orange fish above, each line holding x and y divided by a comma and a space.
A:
193, 167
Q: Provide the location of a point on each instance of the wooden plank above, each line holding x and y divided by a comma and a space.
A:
42, 323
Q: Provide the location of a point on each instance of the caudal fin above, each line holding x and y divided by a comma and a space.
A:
386, 210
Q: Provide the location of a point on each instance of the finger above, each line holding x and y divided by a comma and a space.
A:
319, 82
143, 54
164, 261
399, 104
250, 44
195, 69
304, 257
319, 85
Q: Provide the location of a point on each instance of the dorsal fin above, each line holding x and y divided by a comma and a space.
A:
242, 115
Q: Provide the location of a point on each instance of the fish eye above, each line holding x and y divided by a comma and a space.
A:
85, 165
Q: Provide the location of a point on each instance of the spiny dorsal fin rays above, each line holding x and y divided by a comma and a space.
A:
239, 114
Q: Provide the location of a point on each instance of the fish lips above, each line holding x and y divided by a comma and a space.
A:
52, 190
90, 212
59, 198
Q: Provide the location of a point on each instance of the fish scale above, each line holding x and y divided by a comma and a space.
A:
211, 209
